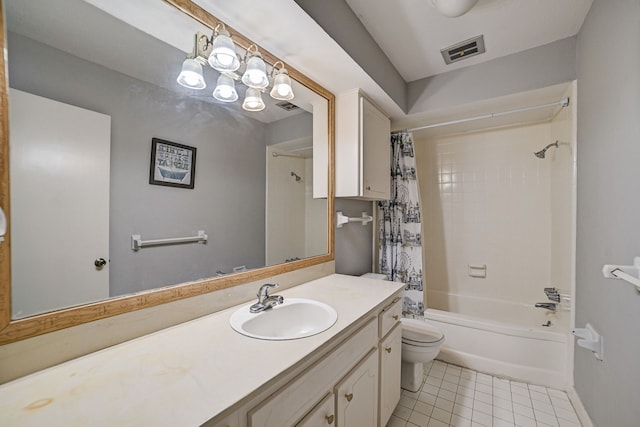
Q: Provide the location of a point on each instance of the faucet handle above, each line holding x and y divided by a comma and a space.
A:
264, 290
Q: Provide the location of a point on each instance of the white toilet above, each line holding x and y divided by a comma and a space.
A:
421, 343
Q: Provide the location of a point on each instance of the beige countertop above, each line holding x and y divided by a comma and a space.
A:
180, 376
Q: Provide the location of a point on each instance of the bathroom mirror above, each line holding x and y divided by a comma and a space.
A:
91, 98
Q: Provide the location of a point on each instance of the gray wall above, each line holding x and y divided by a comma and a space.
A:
353, 242
290, 129
228, 199
342, 24
608, 61
535, 68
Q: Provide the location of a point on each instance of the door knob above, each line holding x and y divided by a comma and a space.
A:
329, 419
388, 349
349, 396
395, 317
99, 263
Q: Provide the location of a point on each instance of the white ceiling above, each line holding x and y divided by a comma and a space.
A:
411, 32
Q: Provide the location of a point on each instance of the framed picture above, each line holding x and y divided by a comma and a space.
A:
172, 164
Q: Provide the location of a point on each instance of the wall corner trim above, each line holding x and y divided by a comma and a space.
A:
583, 416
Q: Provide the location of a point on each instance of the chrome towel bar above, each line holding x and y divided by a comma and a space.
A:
137, 242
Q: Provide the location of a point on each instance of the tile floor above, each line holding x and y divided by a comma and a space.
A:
459, 397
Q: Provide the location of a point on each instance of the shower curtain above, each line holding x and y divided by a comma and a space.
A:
400, 225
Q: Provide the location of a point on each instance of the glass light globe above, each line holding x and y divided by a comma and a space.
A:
253, 100
225, 90
191, 75
223, 55
255, 75
282, 86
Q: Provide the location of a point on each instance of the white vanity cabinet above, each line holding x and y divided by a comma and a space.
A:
293, 402
355, 384
229, 379
363, 150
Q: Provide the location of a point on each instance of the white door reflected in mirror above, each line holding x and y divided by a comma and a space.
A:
59, 204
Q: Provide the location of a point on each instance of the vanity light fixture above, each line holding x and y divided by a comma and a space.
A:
219, 52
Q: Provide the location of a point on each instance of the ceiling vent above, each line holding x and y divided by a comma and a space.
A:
286, 105
463, 50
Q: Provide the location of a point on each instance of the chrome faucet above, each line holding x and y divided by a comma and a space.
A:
266, 301
546, 305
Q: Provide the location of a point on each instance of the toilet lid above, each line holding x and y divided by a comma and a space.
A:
416, 331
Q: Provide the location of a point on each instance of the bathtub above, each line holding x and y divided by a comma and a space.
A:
502, 338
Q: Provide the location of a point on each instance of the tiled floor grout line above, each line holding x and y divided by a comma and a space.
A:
454, 396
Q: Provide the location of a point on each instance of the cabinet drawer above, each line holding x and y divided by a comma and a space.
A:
323, 415
298, 397
390, 316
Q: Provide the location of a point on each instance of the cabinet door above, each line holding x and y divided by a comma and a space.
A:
357, 395
322, 415
376, 153
390, 365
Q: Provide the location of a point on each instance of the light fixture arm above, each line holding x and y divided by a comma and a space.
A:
248, 52
275, 70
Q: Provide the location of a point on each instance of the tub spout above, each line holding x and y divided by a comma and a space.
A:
546, 305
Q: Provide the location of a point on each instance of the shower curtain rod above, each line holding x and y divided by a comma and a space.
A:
563, 102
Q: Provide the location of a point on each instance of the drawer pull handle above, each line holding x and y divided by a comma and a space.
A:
349, 396
388, 350
329, 419
395, 317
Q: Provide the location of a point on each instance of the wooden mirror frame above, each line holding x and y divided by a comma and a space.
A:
16, 330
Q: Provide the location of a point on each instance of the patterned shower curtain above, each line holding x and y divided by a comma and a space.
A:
400, 225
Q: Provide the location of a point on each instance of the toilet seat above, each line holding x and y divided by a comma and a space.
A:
420, 334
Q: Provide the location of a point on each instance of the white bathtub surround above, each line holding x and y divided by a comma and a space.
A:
527, 353
187, 374
519, 314
490, 202
460, 397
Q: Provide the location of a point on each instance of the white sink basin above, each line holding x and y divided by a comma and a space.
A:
294, 318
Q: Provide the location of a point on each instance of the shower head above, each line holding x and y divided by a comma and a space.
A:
298, 177
540, 154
